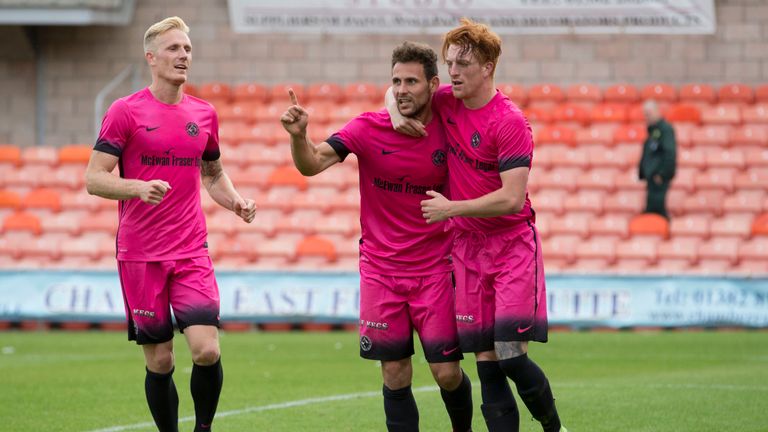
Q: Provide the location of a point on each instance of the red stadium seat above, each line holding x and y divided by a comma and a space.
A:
572, 224
628, 181
761, 93
549, 201
75, 154
741, 93
559, 178
287, 176
599, 135
755, 178
585, 201
569, 157
659, 92
598, 179
560, 249
555, 135
346, 112
279, 93
10, 155
538, 116
706, 201
724, 158
363, 92
649, 224
545, 93
715, 178
749, 135
324, 92
609, 113
642, 249
270, 113
621, 93
755, 114
250, 93
720, 249
244, 112
697, 93
345, 224
684, 249
755, 249
683, 112
589, 93
696, 225
40, 155
514, 92
756, 157
733, 225
610, 225
760, 225
191, 89
691, 158
601, 249
607, 157
570, 114
728, 114
215, 91
630, 134
711, 135
9, 199
746, 201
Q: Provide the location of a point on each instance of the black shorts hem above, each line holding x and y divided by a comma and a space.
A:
209, 322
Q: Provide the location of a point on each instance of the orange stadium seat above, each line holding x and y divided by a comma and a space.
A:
594, 135
691, 158
659, 92
314, 247
43, 198
253, 176
555, 135
627, 180
287, 176
697, 93
515, 92
599, 179
606, 157
549, 201
75, 154
755, 249
585, 201
538, 115
636, 113
760, 225
191, 89
683, 134
548, 93
278, 251
572, 224
637, 252
270, 113
749, 135
706, 201
681, 250
22, 221
559, 178
319, 112
10, 154
630, 134
569, 157
237, 251
103, 221
342, 223
609, 113
215, 91
724, 158
247, 93
324, 92
363, 92
244, 112
279, 93
584, 93
718, 250
40, 155
621, 93
736, 92
560, 251
746, 201
755, 114
346, 112
683, 113
569, 114
649, 224
755, 157
695, 225
597, 252
729, 114
9, 199
68, 222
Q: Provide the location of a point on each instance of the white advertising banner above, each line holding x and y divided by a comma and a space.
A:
504, 16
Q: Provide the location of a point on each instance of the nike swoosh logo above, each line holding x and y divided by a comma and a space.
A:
150, 129
523, 330
450, 351
388, 152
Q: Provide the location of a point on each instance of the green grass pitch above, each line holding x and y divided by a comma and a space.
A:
657, 381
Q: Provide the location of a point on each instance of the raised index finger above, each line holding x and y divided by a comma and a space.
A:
294, 99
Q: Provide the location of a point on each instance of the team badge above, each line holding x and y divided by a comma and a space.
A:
365, 343
192, 129
438, 158
476, 139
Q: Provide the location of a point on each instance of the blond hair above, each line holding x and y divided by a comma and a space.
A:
158, 28
478, 39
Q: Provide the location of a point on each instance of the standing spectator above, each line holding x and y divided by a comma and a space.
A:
658, 163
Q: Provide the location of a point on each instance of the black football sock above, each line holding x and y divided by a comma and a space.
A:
534, 390
400, 409
499, 406
458, 402
163, 400
205, 386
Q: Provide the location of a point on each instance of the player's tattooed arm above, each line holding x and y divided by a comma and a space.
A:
507, 350
211, 172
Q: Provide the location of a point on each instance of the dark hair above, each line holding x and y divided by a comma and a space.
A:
414, 52
476, 38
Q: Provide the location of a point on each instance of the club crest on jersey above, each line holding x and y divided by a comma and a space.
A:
192, 129
365, 343
476, 139
438, 158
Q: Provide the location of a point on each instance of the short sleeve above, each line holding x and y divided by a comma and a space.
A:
212, 151
515, 142
348, 139
442, 100
116, 129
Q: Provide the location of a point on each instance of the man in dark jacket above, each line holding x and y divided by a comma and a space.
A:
657, 165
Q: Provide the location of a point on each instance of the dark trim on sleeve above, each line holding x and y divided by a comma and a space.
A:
105, 146
514, 162
338, 146
211, 156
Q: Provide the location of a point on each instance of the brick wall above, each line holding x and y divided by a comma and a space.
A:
81, 60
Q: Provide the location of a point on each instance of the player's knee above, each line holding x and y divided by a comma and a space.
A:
206, 355
160, 362
448, 376
397, 374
